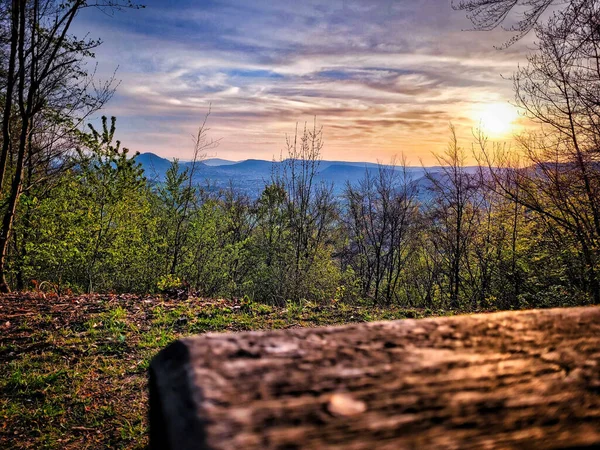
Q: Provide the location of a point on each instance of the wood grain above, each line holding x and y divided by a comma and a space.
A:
512, 380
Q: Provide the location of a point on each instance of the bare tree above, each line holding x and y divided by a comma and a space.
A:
560, 90
379, 220
310, 204
554, 189
454, 209
558, 177
489, 14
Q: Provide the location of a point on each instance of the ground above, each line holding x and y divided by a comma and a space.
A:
73, 370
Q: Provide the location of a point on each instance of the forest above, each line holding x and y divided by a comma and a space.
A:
79, 215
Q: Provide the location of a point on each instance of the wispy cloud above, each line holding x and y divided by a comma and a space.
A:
382, 77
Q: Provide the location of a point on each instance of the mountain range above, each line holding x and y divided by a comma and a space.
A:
250, 176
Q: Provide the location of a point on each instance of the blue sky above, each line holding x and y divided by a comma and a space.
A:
383, 77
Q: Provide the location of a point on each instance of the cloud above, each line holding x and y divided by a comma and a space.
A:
383, 76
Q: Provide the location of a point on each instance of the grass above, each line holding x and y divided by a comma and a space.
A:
73, 370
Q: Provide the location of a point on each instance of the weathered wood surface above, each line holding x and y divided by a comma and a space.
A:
505, 380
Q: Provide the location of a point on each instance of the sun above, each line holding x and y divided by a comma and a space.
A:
497, 119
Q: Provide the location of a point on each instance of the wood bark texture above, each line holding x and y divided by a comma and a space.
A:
513, 380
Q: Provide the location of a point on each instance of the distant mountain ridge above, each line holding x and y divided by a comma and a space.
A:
250, 176
216, 162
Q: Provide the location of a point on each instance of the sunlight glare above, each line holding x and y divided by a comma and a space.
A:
497, 119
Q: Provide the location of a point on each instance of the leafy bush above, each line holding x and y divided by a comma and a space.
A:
168, 283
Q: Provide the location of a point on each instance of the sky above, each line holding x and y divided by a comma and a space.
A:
382, 77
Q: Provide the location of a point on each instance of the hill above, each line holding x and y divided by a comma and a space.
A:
154, 166
251, 175
215, 162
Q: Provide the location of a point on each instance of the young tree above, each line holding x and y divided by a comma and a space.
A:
179, 197
111, 184
270, 246
310, 204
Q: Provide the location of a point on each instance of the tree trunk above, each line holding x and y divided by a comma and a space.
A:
9, 215
10, 83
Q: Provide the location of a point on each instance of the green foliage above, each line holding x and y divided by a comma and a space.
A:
94, 230
169, 282
104, 227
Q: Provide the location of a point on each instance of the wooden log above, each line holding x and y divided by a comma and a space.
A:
513, 380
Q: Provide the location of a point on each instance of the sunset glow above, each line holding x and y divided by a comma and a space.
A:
383, 78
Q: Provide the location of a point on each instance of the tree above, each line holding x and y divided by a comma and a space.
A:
310, 205
453, 214
379, 220
559, 178
490, 14
187, 194
112, 183
270, 245
45, 83
177, 201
